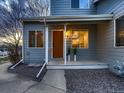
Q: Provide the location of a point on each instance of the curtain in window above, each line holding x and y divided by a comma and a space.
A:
36, 39
39, 39
32, 39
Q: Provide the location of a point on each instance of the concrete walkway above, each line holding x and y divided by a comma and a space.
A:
53, 82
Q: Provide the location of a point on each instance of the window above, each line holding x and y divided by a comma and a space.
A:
77, 39
120, 32
82, 4
36, 39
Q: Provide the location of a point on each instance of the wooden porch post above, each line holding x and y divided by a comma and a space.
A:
46, 44
65, 44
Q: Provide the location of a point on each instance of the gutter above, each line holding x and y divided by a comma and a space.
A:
45, 63
70, 18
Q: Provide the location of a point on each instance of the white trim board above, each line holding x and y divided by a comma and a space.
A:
78, 67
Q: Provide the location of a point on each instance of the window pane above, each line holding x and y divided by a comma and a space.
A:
75, 39
39, 39
83, 4
80, 39
68, 39
83, 42
32, 39
120, 32
74, 3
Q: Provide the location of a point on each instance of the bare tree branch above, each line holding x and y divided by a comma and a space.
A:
10, 25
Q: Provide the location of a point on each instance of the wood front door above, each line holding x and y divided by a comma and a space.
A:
57, 44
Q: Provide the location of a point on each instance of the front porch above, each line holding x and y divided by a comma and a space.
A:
59, 35
61, 62
65, 38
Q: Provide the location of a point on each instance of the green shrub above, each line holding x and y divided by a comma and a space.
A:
69, 51
74, 51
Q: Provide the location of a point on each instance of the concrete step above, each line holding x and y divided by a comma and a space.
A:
89, 66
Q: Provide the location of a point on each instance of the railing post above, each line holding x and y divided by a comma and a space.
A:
16, 64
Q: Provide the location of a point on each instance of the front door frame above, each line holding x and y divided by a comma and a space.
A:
64, 42
52, 41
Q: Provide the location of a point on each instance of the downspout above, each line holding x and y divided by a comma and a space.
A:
46, 46
44, 64
44, 23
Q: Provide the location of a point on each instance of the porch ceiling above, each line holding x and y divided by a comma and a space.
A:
103, 17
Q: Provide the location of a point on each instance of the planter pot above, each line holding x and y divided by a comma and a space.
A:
75, 58
69, 58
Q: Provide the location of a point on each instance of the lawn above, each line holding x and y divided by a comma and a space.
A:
3, 59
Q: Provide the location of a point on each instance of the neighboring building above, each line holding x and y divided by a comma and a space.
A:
94, 27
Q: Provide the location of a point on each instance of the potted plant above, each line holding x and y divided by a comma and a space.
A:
75, 53
69, 53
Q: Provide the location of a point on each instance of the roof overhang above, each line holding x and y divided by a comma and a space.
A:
47, 19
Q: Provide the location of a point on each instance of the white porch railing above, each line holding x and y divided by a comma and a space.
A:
38, 74
16, 64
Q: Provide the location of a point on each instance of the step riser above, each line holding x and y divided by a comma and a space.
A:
77, 67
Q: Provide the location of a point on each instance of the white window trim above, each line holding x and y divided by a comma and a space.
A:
35, 40
115, 33
79, 6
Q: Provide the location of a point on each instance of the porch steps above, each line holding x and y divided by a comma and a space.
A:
86, 66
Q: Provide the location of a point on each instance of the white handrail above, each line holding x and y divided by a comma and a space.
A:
16, 64
38, 74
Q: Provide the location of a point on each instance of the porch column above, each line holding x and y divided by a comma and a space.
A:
65, 44
114, 32
46, 44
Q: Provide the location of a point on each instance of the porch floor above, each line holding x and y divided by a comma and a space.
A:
90, 62
59, 64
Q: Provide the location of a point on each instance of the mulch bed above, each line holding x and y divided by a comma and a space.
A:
93, 81
24, 70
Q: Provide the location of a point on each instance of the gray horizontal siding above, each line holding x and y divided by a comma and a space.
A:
90, 53
111, 6
32, 55
105, 36
106, 51
63, 7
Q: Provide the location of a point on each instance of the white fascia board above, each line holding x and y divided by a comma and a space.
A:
72, 18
